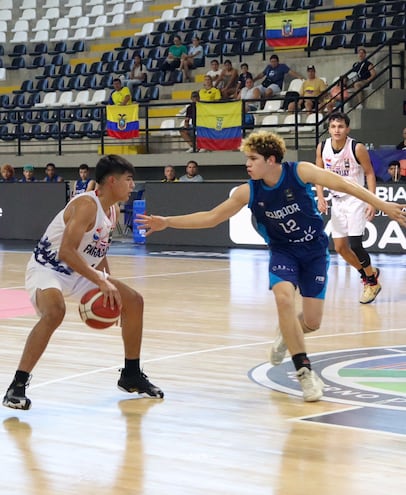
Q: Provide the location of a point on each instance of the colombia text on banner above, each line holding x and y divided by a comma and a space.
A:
122, 121
218, 125
287, 29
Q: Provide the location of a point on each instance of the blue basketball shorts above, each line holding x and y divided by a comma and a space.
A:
305, 265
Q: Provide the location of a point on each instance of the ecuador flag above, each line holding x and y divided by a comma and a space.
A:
218, 125
287, 29
122, 121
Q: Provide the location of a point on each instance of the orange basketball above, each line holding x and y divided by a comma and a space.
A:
94, 314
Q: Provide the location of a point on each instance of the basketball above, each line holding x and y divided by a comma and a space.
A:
94, 314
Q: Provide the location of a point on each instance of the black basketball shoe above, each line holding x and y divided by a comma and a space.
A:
138, 383
15, 396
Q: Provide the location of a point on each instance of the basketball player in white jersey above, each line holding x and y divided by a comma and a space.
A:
70, 259
350, 159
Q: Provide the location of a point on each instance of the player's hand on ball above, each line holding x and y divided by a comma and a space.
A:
111, 294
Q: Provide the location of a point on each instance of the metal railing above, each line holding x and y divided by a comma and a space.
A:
390, 71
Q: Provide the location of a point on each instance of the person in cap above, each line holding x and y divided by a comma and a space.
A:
188, 130
310, 90
28, 173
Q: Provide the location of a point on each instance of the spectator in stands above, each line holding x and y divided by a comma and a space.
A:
402, 144
214, 71
28, 173
209, 92
394, 172
338, 96
192, 59
170, 174
311, 89
188, 130
137, 75
363, 73
120, 95
244, 75
85, 183
7, 173
174, 57
51, 175
274, 74
192, 173
228, 80
250, 92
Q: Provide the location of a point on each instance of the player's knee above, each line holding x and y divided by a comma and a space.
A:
310, 326
137, 301
341, 249
284, 301
55, 314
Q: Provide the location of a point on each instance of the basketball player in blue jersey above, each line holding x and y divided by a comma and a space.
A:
346, 157
69, 260
282, 202
85, 183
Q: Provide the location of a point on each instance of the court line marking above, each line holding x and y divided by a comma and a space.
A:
359, 429
184, 354
180, 355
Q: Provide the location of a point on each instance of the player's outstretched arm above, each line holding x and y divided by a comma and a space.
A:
200, 219
308, 172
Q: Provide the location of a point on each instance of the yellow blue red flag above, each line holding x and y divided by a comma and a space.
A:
122, 121
287, 29
218, 125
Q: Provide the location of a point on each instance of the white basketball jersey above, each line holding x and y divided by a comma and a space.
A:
93, 246
343, 163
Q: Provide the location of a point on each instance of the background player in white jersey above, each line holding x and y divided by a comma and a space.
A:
280, 197
69, 260
349, 159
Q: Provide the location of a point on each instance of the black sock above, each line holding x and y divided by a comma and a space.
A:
21, 376
301, 361
131, 366
362, 273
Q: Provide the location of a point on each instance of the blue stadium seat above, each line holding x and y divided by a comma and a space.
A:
26, 85
60, 47
337, 41
318, 43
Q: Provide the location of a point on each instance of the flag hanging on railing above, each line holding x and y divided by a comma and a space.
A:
122, 121
287, 29
218, 125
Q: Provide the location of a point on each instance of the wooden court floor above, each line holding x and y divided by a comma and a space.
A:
221, 428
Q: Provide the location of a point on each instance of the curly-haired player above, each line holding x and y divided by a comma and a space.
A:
281, 199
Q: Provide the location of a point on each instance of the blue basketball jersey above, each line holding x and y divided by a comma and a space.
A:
81, 186
286, 213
